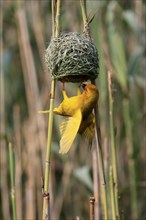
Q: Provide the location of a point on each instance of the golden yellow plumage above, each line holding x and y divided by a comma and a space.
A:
80, 118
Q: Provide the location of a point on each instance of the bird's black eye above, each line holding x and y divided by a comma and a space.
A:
83, 85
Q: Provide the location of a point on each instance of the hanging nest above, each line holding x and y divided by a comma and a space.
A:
72, 57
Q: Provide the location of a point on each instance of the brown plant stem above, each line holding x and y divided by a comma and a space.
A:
18, 155
92, 208
35, 122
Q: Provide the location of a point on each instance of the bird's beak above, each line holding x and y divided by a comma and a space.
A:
84, 84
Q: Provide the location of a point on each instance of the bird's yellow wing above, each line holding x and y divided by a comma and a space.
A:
87, 128
63, 125
69, 129
89, 133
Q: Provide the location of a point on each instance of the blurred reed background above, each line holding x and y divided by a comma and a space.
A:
118, 31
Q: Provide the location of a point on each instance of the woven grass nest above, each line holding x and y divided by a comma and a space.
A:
72, 57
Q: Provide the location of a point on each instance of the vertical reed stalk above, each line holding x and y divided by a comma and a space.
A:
50, 122
101, 165
53, 18
12, 180
113, 145
92, 208
36, 123
57, 19
96, 186
3, 151
18, 158
113, 208
48, 153
98, 133
84, 12
131, 162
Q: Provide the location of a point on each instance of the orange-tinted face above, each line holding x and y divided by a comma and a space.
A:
92, 90
91, 87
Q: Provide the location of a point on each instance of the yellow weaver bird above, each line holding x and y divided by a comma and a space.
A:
80, 118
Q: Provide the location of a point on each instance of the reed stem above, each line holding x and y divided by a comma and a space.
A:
12, 181
84, 11
113, 145
101, 164
46, 210
92, 208
48, 153
98, 133
113, 208
57, 19
53, 18
131, 162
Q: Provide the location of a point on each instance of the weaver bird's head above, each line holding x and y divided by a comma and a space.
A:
90, 89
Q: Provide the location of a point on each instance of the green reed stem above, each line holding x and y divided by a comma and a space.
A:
131, 162
46, 213
12, 180
113, 145
84, 11
56, 28
57, 19
98, 133
53, 18
113, 208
